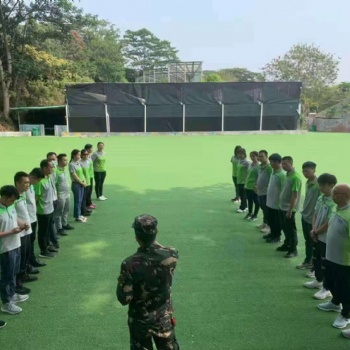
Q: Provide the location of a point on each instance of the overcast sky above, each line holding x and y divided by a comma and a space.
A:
235, 33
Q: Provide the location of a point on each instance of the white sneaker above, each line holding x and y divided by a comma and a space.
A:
322, 294
341, 322
313, 284
242, 211
310, 274
83, 218
266, 230
346, 333
261, 226
17, 298
101, 198
11, 308
329, 306
104, 198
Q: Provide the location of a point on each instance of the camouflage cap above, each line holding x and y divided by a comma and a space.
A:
145, 223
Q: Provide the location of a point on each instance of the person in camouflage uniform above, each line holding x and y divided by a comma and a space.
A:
145, 285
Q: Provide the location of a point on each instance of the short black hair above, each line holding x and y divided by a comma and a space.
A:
83, 151
327, 179
100, 143
44, 164
275, 157
18, 176
146, 229
309, 165
288, 159
237, 148
37, 173
265, 152
51, 154
254, 152
88, 146
60, 156
9, 191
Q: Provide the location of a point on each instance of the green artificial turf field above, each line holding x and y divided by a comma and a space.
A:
231, 289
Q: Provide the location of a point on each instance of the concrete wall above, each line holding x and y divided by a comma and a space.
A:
14, 134
333, 125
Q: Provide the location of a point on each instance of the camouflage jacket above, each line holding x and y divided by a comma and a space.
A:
145, 282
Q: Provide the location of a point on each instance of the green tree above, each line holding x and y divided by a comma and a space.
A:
144, 51
212, 78
15, 16
315, 68
239, 75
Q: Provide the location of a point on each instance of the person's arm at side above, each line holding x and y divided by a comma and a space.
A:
125, 288
295, 194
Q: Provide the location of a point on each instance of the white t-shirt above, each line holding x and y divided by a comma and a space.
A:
22, 214
8, 221
31, 204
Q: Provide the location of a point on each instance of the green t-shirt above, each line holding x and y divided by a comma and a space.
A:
323, 211
252, 177
277, 179
292, 184
75, 167
99, 160
91, 168
86, 171
242, 171
43, 190
338, 237
234, 162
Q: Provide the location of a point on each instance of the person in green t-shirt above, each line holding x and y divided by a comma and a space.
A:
312, 192
250, 188
242, 172
78, 184
235, 161
85, 164
89, 148
289, 204
100, 173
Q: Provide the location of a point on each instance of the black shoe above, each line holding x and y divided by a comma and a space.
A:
52, 249
22, 290
2, 324
291, 254
88, 211
62, 232
248, 216
37, 263
32, 270
46, 254
268, 236
28, 278
87, 214
273, 240
234, 199
283, 248
68, 227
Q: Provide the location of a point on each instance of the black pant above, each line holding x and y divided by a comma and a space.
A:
290, 231
274, 220
99, 180
308, 241
262, 202
53, 231
44, 227
83, 203
319, 259
32, 257
242, 195
141, 336
338, 283
25, 254
234, 179
89, 193
253, 199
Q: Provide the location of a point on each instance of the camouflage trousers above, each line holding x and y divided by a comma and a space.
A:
142, 337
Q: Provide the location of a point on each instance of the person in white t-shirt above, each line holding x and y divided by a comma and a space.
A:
10, 255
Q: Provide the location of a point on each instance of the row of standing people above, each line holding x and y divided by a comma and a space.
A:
39, 202
325, 221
